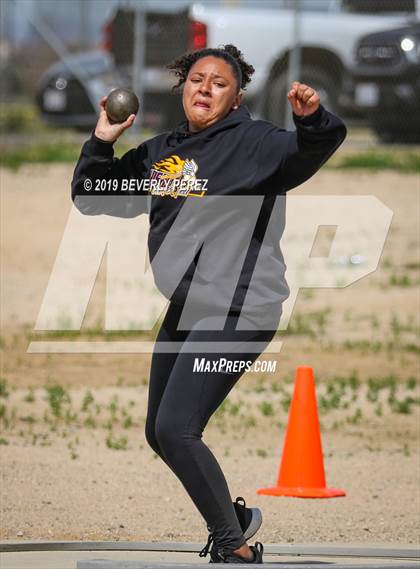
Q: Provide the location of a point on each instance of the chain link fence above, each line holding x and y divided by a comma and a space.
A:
362, 56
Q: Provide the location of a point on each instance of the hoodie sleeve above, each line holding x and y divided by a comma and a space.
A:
97, 163
292, 157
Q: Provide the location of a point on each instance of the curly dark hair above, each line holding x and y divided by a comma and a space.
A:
230, 53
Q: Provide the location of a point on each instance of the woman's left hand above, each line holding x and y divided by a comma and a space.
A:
303, 99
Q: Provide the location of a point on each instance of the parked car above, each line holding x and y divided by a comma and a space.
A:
386, 82
264, 32
69, 91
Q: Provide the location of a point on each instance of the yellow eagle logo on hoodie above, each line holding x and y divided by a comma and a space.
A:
175, 176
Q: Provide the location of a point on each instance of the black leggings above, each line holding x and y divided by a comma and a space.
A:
181, 402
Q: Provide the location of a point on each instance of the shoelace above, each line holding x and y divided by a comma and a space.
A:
206, 548
210, 539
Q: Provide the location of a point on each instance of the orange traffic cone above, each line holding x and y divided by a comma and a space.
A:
301, 471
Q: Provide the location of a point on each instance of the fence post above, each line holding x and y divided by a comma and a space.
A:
139, 58
293, 72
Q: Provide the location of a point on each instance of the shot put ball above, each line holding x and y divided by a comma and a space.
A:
120, 104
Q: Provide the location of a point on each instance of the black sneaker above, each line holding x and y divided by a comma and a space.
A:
230, 557
250, 520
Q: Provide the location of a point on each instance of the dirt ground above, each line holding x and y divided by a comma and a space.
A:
77, 466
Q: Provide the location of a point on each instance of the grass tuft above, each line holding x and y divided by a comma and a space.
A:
405, 161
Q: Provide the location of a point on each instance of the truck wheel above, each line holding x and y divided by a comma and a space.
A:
384, 135
316, 77
387, 135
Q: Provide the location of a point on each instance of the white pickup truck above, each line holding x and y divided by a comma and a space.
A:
329, 30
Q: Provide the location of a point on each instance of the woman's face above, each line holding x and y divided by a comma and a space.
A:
210, 92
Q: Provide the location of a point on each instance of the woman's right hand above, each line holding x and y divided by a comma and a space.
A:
107, 131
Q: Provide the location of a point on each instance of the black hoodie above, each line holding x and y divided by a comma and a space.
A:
237, 156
